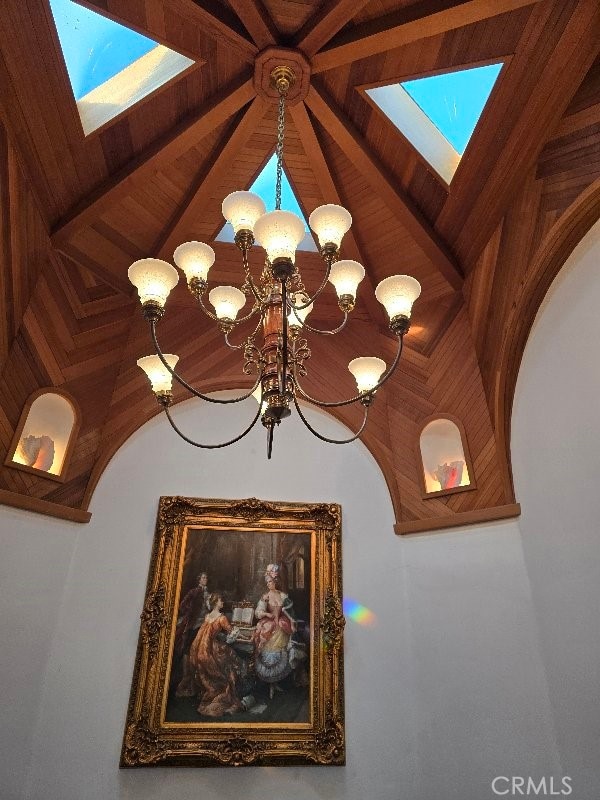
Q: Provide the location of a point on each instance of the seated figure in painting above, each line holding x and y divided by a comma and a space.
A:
192, 611
274, 629
215, 665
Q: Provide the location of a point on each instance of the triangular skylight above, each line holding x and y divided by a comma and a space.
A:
264, 186
438, 114
110, 66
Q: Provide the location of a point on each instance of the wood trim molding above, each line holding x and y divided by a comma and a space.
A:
419, 21
38, 506
477, 517
551, 256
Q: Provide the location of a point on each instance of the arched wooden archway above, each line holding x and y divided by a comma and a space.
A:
552, 254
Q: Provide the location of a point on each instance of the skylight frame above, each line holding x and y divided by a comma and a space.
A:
174, 64
503, 61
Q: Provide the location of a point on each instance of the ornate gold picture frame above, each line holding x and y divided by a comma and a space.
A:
240, 655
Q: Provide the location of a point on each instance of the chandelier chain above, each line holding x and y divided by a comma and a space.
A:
279, 148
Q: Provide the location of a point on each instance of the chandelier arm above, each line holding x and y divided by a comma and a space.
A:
316, 294
317, 330
243, 344
249, 279
213, 446
186, 385
326, 438
362, 395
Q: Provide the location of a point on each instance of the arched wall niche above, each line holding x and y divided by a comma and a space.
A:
444, 457
47, 431
551, 256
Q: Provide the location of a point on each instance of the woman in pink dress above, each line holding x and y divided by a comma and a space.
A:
216, 667
273, 632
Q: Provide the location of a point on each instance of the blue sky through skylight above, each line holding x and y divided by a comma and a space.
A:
264, 187
95, 48
454, 101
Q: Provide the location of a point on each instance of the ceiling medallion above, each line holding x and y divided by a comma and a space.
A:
280, 302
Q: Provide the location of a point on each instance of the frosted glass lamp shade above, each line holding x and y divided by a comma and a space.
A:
280, 233
227, 301
367, 371
330, 223
195, 259
153, 279
397, 294
296, 318
345, 276
242, 209
158, 375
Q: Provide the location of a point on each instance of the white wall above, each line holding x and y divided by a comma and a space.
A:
484, 659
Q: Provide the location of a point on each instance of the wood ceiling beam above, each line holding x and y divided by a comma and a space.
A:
328, 20
330, 194
166, 150
212, 18
558, 46
419, 21
210, 178
357, 150
257, 21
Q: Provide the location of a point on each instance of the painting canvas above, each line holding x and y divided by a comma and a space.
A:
239, 660
241, 645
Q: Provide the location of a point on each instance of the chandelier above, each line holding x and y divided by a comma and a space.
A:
280, 304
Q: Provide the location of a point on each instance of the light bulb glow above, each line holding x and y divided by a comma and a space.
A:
330, 223
297, 318
345, 275
242, 209
256, 394
195, 259
397, 294
153, 279
227, 301
367, 371
158, 375
280, 233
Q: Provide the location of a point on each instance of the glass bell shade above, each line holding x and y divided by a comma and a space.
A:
158, 375
195, 259
345, 276
227, 301
397, 294
153, 279
367, 371
330, 223
242, 209
296, 318
280, 233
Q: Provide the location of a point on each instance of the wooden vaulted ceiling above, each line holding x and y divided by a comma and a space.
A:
77, 210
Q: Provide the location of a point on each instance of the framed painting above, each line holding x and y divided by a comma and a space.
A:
240, 654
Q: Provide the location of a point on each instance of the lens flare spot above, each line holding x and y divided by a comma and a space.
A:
358, 613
